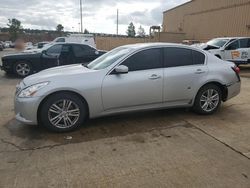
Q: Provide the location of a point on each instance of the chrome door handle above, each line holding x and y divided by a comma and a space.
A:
154, 77
199, 71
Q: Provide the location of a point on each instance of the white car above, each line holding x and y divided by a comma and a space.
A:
88, 39
8, 44
129, 78
234, 49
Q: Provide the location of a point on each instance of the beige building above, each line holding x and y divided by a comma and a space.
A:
206, 19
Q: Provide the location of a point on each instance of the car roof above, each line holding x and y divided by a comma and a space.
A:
229, 38
156, 44
63, 43
68, 43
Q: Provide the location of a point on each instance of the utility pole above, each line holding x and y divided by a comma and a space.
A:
117, 22
81, 14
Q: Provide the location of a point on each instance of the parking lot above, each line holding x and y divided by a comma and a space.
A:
166, 148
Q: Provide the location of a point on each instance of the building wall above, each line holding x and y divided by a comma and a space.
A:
106, 43
206, 19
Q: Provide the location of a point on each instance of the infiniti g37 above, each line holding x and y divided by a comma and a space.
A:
128, 78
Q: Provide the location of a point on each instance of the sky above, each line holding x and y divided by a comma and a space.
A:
98, 15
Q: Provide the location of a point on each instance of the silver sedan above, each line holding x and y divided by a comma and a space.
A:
128, 78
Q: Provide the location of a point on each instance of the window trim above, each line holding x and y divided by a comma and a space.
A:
183, 47
110, 72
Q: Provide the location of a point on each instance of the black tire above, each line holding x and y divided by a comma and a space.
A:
46, 114
26, 72
199, 103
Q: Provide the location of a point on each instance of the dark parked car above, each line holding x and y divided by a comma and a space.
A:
1, 46
31, 61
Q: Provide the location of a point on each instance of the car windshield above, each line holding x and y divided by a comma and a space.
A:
218, 42
109, 58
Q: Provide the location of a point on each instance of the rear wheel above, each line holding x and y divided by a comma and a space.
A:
63, 112
22, 69
208, 99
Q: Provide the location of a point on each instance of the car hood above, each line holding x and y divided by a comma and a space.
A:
21, 54
56, 73
205, 46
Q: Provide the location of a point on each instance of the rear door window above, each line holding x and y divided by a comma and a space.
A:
198, 58
177, 57
82, 50
244, 43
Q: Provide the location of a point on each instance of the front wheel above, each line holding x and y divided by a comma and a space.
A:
22, 69
208, 99
63, 112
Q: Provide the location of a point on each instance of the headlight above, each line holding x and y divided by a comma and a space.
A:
31, 91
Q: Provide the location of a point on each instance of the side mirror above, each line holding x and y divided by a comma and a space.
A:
121, 69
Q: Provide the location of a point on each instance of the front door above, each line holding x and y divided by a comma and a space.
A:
142, 85
50, 58
232, 51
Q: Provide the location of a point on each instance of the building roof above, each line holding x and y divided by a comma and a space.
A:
178, 6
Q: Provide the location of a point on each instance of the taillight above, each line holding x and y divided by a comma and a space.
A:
236, 69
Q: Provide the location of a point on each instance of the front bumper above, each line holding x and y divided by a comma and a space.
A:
6, 68
233, 90
26, 109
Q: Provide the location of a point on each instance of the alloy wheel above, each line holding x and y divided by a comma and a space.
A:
63, 114
23, 69
209, 100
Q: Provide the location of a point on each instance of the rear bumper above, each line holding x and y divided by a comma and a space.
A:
245, 62
233, 90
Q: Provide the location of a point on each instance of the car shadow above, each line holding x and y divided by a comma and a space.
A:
100, 128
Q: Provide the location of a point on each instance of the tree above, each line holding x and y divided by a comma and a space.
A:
131, 30
14, 28
141, 32
59, 28
86, 31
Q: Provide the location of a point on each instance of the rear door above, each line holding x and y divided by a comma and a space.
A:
183, 70
84, 53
